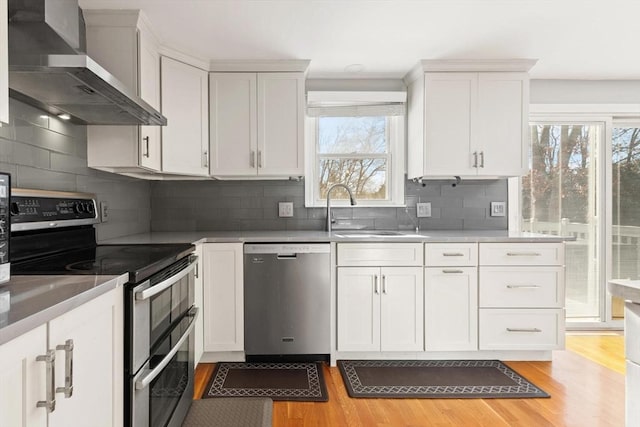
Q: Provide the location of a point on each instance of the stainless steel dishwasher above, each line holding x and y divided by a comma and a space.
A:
287, 294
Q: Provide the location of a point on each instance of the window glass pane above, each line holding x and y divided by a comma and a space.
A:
344, 135
625, 239
367, 178
559, 197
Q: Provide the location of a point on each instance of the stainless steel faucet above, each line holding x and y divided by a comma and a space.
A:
352, 200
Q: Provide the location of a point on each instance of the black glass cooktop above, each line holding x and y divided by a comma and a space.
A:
140, 261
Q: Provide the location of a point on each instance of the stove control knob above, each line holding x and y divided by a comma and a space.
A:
15, 209
77, 207
90, 208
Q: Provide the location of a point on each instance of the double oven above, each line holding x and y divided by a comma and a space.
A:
52, 233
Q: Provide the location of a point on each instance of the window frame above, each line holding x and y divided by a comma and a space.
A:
395, 170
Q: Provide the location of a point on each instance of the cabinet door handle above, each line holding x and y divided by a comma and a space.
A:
68, 369
523, 254
523, 286
375, 284
475, 159
447, 271
259, 158
252, 159
524, 330
146, 145
482, 159
50, 359
384, 284
452, 254
205, 159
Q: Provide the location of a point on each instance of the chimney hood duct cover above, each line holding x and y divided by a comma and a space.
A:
48, 68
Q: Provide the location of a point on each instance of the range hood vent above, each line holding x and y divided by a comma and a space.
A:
49, 69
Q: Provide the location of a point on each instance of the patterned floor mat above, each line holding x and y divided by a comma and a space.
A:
436, 379
279, 381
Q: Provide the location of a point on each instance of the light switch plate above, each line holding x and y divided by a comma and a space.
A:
104, 212
285, 209
423, 210
498, 209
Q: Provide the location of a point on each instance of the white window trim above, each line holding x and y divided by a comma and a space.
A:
395, 179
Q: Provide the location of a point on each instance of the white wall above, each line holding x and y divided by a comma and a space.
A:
585, 92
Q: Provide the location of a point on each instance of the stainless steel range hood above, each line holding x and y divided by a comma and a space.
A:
49, 69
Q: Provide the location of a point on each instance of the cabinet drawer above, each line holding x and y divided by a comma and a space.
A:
521, 329
380, 254
521, 254
512, 287
446, 254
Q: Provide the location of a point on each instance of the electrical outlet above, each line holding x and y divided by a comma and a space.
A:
285, 209
423, 210
498, 209
104, 212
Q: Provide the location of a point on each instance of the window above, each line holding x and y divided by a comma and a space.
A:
360, 147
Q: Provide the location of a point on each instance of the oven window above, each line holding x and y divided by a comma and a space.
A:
168, 388
167, 306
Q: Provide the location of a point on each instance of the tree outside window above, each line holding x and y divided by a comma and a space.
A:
354, 151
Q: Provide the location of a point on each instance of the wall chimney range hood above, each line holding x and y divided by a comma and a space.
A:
49, 69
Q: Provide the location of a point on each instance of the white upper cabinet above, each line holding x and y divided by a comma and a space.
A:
257, 124
185, 102
122, 42
468, 118
4, 64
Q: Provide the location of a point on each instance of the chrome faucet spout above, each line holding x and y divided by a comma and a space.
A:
352, 200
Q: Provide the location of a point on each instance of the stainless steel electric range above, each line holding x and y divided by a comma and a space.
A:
53, 233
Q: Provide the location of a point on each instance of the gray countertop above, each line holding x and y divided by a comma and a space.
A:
335, 236
27, 302
628, 290
30, 301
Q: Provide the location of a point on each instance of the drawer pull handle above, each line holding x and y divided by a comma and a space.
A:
452, 254
524, 330
452, 271
375, 284
384, 284
50, 359
68, 369
523, 286
523, 254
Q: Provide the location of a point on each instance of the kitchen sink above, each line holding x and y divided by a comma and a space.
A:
378, 233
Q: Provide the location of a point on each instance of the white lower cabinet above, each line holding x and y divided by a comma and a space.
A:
23, 380
223, 297
521, 293
380, 309
451, 308
521, 329
84, 347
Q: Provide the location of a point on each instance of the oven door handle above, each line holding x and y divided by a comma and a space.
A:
153, 373
167, 283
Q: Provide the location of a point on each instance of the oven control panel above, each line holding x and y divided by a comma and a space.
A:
39, 211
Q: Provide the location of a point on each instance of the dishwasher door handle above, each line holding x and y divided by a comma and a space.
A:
287, 256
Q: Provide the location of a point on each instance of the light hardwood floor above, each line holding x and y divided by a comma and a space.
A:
586, 384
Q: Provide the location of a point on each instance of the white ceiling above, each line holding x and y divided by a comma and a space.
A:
573, 39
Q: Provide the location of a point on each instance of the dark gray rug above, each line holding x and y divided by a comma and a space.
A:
230, 412
278, 381
435, 379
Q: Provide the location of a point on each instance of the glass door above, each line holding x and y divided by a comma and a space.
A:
560, 196
625, 206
